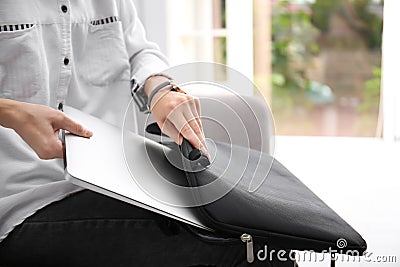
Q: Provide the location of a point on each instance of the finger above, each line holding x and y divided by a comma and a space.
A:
199, 122
197, 126
59, 150
169, 129
196, 110
199, 136
186, 131
50, 150
59, 147
73, 127
192, 121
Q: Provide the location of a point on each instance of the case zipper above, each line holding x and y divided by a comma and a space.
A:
246, 238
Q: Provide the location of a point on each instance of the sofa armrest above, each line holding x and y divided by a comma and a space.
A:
221, 111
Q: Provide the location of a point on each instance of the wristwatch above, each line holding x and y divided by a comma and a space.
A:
142, 100
139, 96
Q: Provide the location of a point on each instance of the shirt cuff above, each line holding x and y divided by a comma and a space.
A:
148, 65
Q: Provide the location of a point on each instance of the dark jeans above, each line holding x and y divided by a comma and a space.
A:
89, 229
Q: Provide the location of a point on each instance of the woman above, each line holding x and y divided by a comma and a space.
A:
84, 54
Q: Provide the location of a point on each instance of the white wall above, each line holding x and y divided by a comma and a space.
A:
153, 16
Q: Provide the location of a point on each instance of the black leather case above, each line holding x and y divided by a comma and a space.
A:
281, 213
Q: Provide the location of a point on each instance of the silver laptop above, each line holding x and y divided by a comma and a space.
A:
103, 164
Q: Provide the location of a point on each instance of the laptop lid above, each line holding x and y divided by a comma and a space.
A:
100, 163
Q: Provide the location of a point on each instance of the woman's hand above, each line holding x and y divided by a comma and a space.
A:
178, 115
39, 126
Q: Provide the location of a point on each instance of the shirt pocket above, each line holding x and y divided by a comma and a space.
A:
105, 58
21, 63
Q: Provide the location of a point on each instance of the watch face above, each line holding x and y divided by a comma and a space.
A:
139, 95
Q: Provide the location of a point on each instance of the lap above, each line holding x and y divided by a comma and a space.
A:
89, 229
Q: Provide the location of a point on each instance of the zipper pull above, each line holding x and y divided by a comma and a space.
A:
249, 246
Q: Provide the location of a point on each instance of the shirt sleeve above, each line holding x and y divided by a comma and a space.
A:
145, 57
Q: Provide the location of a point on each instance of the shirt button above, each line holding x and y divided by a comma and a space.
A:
64, 8
66, 61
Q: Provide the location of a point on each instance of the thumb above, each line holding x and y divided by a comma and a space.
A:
75, 128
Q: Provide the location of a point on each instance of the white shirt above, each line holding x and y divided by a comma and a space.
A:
82, 53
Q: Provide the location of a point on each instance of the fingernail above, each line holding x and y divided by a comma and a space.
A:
88, 133
204, 150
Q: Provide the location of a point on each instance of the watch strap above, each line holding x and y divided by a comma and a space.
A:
156, 90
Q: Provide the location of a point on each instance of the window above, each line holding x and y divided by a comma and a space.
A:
326, 67
317, 61
213, 31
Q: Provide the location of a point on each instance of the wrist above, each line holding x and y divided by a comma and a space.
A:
8, 112
152, 82
143, 94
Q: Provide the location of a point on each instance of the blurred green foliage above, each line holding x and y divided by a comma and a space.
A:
322, 11
372, 90
293, 45
369, 108
357, 12
370, 24
295, 30
299, 31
